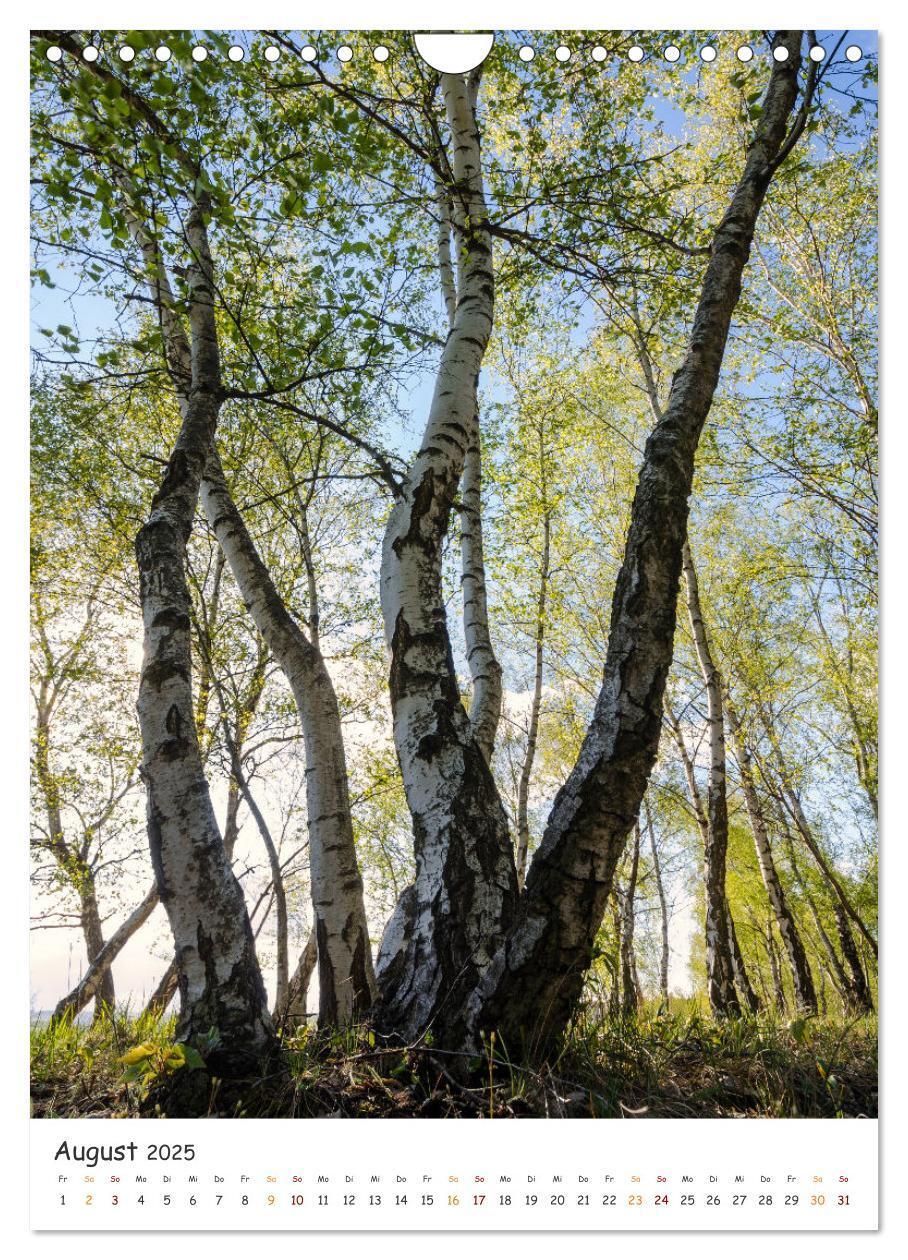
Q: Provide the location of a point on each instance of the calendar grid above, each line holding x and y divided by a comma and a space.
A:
452, 1175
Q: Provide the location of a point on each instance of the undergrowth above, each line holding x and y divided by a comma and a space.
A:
677, 1064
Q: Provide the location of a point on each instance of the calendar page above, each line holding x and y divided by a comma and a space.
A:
454, 759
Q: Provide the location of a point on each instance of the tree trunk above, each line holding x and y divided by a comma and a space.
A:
74, 868
858, 990
167, 986
90, 984
663, 908
738, 967
802, 980
720, 967
220, 983
778, 988
93, 933
630, 997
693, 788
530, 990
293, 1012
526, 769
790, 801
448, 924
346, 979
485, 671
163, 995
837, 974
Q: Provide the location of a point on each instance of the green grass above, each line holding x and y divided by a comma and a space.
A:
679, 1064
76, 1068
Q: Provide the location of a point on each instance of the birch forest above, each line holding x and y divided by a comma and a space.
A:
454, 575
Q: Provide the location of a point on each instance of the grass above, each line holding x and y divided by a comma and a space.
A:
680, 1064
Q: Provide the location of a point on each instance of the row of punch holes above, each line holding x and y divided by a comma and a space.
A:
126, 53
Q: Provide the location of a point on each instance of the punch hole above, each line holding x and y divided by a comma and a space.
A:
563, 53
199, 53
672, 53
380, 53
90, 53
708, 53
345, 53
272, 53
745, 53
635, 53
308, 53
127, 53
453, 54
54, 53
817, 52
162, 53
599, 53
235, 53
780, 53
853, 52
526, 53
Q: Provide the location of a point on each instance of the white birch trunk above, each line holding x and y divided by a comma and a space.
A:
719, 962
448, 924
485, 671
346, 979
531, 988
220, 983
346, 976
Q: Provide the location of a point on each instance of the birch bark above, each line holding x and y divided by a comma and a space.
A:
294, 1010
450, 921
485, 670
858, 991
663, 907
346, 978
90, 984
630, 996
346, 975
220, 983
532, 985
720, 968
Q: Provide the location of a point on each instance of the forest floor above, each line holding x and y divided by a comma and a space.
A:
680, 1064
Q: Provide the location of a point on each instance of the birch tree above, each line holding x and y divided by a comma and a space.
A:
535, 979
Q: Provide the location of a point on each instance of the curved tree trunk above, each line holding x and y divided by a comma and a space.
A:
220, 983
450, 921
530, 990
802, 980
79, 997
346, 979
485, 671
